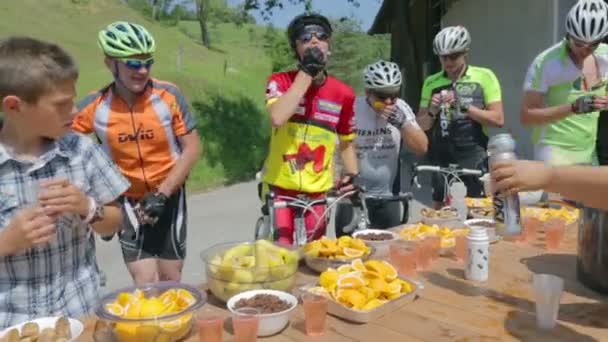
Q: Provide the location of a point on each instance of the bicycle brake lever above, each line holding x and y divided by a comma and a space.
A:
415, 182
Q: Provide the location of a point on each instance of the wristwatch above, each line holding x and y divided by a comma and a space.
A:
96, 212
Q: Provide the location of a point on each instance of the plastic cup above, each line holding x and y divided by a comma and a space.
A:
434, 244
315, 313
460, 248
245, 323
403, 257
547, 294
423, 255
555, 229
531, 225
210, 328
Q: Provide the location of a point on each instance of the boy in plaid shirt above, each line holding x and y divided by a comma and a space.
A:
57, 188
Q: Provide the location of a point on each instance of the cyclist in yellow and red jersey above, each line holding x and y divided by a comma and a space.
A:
312, 115
146, 127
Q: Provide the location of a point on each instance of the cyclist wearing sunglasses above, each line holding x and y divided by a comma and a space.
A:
146, 127
382, 120
457, 105
309, 109
565, 87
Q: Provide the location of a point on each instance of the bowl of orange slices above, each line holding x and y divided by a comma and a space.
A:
325, 253
161, 311
363, 290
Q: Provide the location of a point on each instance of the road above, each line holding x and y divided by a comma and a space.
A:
223, 215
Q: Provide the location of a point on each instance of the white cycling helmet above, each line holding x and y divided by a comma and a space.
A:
382, 75
451, 39
587, 20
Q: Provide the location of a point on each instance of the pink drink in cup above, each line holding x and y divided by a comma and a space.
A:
403, 257
245, 323
315, 313
555, 229
210, 328
434, 244
460, 248
423, 255
531, 225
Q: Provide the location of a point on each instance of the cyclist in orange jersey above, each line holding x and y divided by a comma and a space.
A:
147, 128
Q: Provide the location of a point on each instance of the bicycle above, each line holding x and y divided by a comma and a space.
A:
451, 175
265, 227
361, 220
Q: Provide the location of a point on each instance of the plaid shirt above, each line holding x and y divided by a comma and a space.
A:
60, 278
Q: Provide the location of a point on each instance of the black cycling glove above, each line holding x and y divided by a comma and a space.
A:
313, 62
583, 104
150, 207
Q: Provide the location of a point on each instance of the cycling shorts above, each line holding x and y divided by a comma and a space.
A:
166, 239
285, 217
468, 159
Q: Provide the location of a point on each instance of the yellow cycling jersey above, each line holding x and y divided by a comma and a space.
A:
301, 151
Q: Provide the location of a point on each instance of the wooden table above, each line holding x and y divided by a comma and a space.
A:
453, 309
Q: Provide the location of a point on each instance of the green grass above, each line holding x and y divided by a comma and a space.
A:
75, 27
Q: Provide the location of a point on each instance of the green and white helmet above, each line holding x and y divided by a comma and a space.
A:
124, 39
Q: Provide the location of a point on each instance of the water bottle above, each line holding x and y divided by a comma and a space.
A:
501, 147
458, 192
478, 255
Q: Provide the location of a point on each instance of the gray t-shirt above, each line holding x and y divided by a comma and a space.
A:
378, 144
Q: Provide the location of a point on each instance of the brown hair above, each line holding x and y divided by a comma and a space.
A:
29, 68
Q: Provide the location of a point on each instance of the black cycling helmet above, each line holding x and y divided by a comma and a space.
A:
301, 21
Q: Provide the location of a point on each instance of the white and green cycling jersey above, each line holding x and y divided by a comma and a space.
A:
554, 74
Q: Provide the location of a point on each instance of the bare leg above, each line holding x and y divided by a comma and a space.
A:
170, 270
144, 271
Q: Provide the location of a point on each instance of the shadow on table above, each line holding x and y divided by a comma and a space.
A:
585, 314
522, 325
564, 266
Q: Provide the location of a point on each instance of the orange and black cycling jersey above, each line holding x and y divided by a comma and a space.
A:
143, 139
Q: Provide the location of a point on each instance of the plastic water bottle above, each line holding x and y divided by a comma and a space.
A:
501, 147
478, 256
458, 192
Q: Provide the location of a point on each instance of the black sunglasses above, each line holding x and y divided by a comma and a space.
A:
579, 44
306, 36
386, 96
452, 56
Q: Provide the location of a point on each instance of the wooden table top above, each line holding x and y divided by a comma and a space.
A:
451, 308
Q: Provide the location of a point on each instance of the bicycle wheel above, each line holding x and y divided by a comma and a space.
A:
262, 229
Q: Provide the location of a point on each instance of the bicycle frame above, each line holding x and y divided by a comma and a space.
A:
361, 219
305, 205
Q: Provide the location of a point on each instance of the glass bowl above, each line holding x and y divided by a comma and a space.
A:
171, 326
235, 267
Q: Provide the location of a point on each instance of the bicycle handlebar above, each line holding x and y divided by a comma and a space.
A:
452, 170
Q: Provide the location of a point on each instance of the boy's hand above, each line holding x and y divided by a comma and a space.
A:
59, 196
29, 227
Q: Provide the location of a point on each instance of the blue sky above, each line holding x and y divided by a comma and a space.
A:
333, 8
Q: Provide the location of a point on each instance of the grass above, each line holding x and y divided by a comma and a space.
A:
236, 66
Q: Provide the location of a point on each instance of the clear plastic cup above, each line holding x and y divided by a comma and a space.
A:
315, 313
245, 323
547, 294
460, 248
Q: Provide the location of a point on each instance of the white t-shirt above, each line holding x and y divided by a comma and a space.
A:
378, 145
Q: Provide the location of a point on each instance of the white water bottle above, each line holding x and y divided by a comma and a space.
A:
458, 192
478, 256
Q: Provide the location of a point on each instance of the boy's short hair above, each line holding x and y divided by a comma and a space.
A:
29, 68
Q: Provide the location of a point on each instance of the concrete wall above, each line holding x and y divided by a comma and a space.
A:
506, 36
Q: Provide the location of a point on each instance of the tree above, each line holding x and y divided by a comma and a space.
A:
202, 10
267, 6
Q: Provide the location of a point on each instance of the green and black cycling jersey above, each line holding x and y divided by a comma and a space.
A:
478, 87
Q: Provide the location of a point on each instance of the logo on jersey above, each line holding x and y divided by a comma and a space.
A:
329, 107
146, 134
272, 90
297, 161
466, 89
